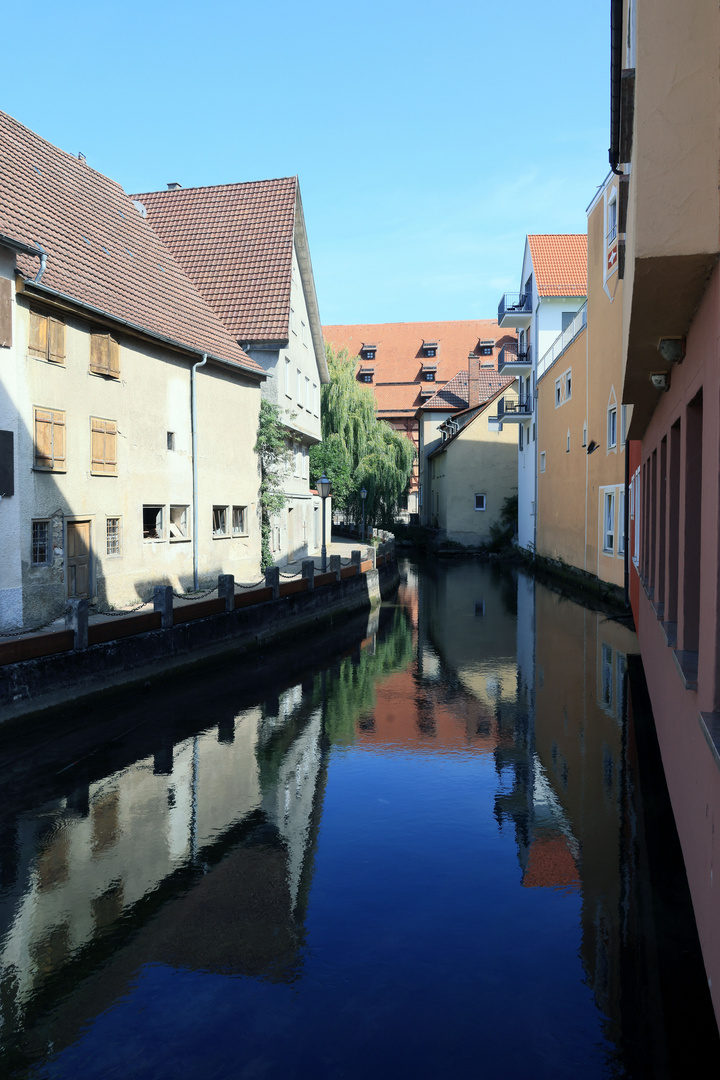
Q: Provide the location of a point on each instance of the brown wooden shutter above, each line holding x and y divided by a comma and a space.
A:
56, 336
99, 353
58, 436
5, 313
38, 342
114, 357
43, 439
104, 446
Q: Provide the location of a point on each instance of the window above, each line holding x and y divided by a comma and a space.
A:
302, 332
486, 348
621, 522
179, 523
298, 459
288, 378
623, 424
105, 355
567, 448
429, 376
103, 438
367, 376
612, 220
47, 337
479, 502
304, 462
308, 402
558, 393
238, 521
40, 543
584, 435
521, 429
171, 440
609, 529
542, 461
568, 385
566, 318
153, 523
219, 521
50, 440
315, 399
298, 395
612, 427
113, 536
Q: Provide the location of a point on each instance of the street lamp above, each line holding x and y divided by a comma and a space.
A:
324, 489
363, 496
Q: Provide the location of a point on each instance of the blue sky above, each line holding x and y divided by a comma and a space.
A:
429, 138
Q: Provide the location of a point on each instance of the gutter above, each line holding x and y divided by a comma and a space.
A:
193, 431
231, 365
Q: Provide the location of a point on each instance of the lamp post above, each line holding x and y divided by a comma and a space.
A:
324, 489
363, 496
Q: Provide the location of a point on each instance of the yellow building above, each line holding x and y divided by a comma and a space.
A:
473, 471
581, 421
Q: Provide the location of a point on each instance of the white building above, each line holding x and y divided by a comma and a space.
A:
553, 288
245, 247
119, 388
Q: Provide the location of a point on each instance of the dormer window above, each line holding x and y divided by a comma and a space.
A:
486, 348
429, 376
366, 374
368, 350
428, 372
427, 393
430, 348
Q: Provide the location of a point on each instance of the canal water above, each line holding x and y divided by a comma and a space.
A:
434, 844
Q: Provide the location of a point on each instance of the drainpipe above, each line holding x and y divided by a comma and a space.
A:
193, 424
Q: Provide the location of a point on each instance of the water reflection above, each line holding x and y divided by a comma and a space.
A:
437, 826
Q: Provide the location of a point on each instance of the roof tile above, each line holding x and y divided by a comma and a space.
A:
559, 263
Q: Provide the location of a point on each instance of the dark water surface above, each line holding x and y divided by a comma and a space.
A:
431, 846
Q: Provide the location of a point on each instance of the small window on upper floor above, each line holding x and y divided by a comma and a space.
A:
612, 427
612, 220
542, 461
368, 350
288, 378
171, 440
584, 435
49, 440
104, 354
103, 448
429, 376
486, 348
47, 336
430, 348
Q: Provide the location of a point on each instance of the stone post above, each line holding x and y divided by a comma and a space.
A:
373, 556
356, 557
272, 580
163, 602
76, 619
226, 590
335, 566
308, 571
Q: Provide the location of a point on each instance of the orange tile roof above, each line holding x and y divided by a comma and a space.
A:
235, 241
551, 865
559, 263
100, 252
454, 394
399, 358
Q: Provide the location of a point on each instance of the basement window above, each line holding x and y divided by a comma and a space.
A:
153, 523
220, 521
40, 543
479, 501
179, 523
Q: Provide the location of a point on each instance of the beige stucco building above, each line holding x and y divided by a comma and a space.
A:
472, 471
581, 422
128, 413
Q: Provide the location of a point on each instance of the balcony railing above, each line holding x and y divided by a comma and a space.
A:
511, 358
519, 409
514, 306
562, 341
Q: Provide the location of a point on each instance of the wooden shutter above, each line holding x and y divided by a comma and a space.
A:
104, 446
56, 340
49, 439
5, 313
104, 355
38, 342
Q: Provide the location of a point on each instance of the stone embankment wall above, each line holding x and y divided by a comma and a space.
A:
94, 665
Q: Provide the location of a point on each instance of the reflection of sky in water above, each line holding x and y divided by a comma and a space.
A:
409, 864
422, 957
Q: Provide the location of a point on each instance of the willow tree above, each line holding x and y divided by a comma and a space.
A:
358, 450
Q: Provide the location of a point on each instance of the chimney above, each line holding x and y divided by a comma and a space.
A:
473, 380
174, 186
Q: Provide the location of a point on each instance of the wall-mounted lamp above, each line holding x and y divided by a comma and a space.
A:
672, 349
660, 380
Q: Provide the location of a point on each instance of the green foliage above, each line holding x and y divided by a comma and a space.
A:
358, 450
275, 457
503, 530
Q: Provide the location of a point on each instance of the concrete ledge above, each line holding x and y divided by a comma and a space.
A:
42, 682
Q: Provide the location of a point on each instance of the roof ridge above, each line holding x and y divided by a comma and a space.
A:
215, 187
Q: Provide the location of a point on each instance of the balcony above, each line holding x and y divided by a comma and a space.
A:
511, 361
515, 309
514, 411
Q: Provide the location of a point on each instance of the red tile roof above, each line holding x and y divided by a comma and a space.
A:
551, 865
559, 263
399, 358
235, 241
454, 394
100, 251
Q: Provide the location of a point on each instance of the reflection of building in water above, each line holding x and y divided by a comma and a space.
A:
227, 814
570, 819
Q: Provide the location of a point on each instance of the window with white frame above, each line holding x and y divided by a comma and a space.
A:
298, 459
179, 523
479, 501
584, 435
113, 536
315, 399
609, 523
568, 384
558, 392
542, 461
41, 550
612, 427
623, 424
612, 219
288, 377
621, 521
304, 462
299, 388
153, 524
219, 521
239, 526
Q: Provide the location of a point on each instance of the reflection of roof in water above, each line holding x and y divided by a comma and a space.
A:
551, 865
